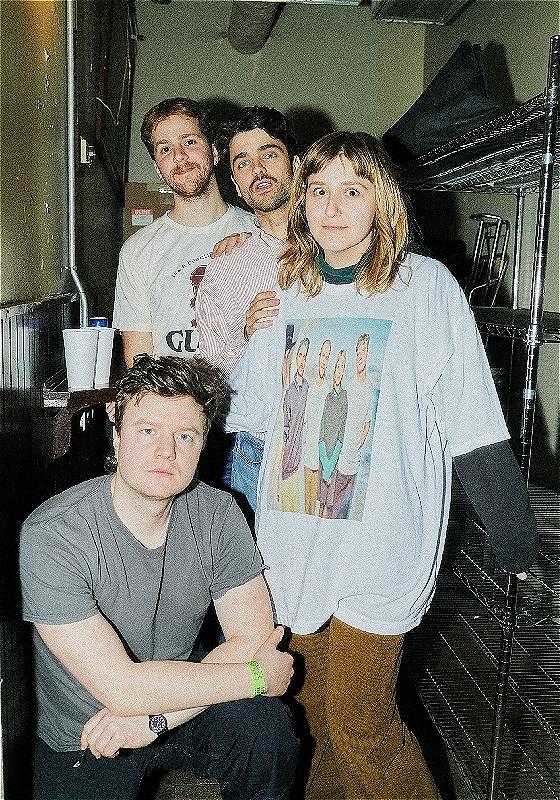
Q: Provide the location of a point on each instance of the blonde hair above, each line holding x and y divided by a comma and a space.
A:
390, 224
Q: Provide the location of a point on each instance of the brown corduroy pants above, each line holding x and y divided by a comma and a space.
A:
363, 750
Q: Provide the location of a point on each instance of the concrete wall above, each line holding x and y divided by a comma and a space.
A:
32, 144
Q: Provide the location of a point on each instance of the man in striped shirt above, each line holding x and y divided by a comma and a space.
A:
261, 152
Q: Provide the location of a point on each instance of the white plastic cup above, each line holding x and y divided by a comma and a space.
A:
80, 351
104, 357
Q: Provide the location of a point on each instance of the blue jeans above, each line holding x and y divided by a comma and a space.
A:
248, 746
244, 463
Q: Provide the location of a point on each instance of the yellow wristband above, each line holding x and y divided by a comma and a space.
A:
257, 677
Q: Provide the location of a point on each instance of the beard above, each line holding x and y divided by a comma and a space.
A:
272, 200
192, 183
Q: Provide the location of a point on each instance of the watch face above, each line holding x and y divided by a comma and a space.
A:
157, 724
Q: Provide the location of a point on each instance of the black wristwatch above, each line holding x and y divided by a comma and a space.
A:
157, 723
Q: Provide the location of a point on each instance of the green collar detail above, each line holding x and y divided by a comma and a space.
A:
342, 274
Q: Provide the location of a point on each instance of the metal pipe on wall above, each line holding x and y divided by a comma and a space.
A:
71, 150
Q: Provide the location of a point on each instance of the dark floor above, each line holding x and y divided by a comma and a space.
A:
183, 786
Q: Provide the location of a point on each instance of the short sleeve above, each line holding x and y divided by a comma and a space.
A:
55, 584
132, 302
236, 557
465, 395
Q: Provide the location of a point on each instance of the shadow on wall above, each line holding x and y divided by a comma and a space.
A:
308, 124
435, 230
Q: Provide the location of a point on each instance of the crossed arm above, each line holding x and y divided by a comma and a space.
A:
93, 653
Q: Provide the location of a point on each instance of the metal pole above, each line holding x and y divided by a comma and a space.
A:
519, 209
534, 334
534, 338
70, 153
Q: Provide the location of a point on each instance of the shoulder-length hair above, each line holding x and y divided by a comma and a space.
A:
390, 224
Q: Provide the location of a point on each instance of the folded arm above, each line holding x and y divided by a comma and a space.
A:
92, 652
246, 619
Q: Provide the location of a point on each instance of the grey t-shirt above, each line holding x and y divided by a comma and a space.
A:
78, 559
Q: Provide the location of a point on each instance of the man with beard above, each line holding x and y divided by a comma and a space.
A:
161, 266
261, 152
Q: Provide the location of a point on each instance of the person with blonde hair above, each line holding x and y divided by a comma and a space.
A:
350, 588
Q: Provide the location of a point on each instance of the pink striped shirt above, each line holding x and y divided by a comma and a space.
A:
229, 284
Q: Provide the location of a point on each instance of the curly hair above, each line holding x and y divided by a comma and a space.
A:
171, 376
165, 109
390, 225
267, 119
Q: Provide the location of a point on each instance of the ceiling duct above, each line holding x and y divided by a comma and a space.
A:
250, 24
422, 12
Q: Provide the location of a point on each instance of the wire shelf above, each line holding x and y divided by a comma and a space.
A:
453, 657
514, 323
503, 155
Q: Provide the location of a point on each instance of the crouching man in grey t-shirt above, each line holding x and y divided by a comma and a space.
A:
117, 574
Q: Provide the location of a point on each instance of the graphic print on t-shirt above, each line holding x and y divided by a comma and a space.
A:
322, 439
185, 340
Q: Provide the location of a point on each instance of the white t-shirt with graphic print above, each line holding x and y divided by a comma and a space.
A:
433, 398
160, 269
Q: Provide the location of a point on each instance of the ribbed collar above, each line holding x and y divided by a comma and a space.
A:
343, 274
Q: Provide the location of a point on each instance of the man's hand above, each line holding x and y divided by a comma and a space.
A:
107, 733
264, 305
229, 243
278, 667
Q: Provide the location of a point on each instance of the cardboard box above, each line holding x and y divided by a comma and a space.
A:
143, 203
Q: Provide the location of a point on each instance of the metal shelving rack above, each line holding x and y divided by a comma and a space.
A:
490, 674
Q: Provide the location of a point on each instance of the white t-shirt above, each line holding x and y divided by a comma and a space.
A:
160, 269
433, 398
